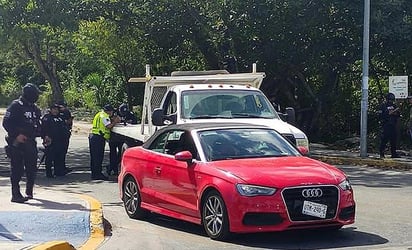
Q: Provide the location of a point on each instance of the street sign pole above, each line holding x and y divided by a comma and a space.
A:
365, 78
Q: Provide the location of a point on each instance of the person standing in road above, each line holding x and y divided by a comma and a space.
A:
22, 123
54, 133
389, 115
409, 124
68, 119
102, 125
115, 144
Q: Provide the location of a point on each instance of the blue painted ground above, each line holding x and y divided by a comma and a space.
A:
42, 226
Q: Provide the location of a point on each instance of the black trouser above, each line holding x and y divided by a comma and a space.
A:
96, 146
115, 152
23, 158
388, 134
66, 143
55, 158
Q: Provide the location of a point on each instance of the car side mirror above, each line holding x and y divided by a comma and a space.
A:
184, 156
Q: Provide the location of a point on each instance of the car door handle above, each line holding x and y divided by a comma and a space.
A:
158, 170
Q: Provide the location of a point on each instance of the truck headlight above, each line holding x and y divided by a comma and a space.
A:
251, 190
303, 142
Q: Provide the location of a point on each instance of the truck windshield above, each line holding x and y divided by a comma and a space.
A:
203, 104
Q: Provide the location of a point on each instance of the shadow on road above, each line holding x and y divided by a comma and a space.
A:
294, 239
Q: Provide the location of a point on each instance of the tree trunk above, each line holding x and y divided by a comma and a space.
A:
46, 67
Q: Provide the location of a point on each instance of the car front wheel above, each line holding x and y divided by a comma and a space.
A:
214, 217
132, 200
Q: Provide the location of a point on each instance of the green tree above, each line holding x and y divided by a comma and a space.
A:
40, 31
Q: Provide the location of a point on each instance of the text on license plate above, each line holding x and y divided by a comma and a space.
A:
314, 209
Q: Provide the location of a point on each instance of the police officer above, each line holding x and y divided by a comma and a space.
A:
22, 123
102, 124
126, 116
389, 115
54, 134
68, 118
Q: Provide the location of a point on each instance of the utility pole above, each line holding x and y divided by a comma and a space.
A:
365, 78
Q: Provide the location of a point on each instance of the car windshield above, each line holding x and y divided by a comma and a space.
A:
239, 143
226, 104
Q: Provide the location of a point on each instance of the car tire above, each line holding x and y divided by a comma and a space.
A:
215, 219
132, 199
332, 228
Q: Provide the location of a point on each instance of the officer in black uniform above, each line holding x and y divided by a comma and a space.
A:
126, 115
22, 123
389, 115
115, 143
54, 133
68, 118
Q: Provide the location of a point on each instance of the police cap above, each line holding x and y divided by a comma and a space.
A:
108, 107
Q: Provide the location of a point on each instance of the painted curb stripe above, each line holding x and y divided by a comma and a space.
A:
96, 230
54, 245
96, 223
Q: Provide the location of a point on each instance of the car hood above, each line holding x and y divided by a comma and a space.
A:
282, 172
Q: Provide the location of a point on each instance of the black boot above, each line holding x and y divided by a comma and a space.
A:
49, 172
19, 199
16, 196
29, 192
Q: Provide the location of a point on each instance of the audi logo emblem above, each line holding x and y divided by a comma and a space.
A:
312, 192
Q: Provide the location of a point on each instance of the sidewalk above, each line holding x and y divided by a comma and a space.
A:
341, 157
52, 220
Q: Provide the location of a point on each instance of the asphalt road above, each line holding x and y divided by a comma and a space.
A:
383, 221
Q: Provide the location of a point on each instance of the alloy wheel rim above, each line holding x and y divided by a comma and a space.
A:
131, 197
214, 215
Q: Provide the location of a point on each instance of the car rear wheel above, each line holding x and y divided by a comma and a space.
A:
214, 217
132, 199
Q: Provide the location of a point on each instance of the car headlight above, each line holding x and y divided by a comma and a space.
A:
251, 190
345, 185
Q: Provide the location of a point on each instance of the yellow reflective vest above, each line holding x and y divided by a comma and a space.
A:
100, 121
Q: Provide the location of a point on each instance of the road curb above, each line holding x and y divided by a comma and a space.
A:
96, 230
96, 223
54, 245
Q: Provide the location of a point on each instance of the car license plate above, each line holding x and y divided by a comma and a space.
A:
314, 209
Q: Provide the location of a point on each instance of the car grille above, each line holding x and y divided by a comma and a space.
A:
294, 199
290, 138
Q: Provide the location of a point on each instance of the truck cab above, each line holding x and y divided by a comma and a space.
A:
197, 103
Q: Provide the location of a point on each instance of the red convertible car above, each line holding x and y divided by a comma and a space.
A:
233, 178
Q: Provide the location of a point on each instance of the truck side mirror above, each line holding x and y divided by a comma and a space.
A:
290, 115
158, 117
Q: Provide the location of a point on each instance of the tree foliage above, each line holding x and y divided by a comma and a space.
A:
311, 51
